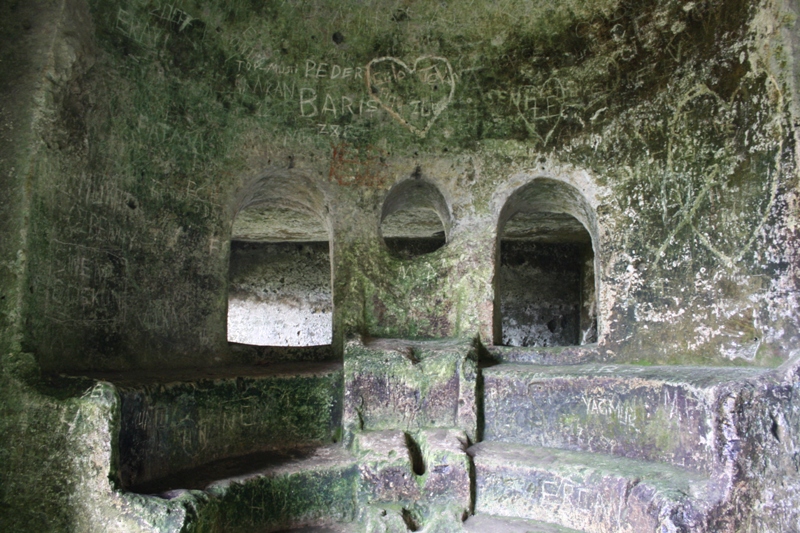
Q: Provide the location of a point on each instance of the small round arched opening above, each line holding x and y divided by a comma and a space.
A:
545, 272
280, 267
415, 219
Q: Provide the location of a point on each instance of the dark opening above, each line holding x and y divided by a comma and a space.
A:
415, 219
545, 279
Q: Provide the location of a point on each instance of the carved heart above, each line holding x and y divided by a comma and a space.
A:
542, 108
416, 96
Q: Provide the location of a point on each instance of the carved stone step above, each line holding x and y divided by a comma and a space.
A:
179, 420
546, 355
410, 385
591, 492
295, 488
670, 414
482, 523
320, 528
422, 476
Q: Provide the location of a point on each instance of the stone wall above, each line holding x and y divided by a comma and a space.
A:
672, 120
130, 130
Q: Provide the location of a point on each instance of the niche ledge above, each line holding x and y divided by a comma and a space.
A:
547, 355
259, 355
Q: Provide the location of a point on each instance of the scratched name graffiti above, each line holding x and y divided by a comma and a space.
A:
559, 491
140, 32
150, 36
264, 65
684, 201
332, 71
543, 107
331, 100
313, 104
88, 287
415, 96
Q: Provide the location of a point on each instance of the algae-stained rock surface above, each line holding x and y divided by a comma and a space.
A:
425, 475
672, 119
609, 495
666, 414
171, 427
58, 455
394, 384
133, 133
317, 488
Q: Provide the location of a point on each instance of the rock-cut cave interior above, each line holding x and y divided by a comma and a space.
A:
380, 266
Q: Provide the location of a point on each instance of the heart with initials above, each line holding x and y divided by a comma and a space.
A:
413, 96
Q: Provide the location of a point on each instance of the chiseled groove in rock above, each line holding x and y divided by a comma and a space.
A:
415, 455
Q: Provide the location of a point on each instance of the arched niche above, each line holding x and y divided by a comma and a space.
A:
546, 281
415, 219
280, 266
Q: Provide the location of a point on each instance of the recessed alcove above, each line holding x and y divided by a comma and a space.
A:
280, 278
545, 288
415, 219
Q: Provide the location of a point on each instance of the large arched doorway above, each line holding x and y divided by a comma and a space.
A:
279, 291
545, 282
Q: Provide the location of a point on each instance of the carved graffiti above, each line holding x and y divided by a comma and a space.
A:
414, 96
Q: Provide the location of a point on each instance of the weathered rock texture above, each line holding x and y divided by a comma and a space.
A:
134, 134
410, 386
593, 494
671, 121
168, 427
